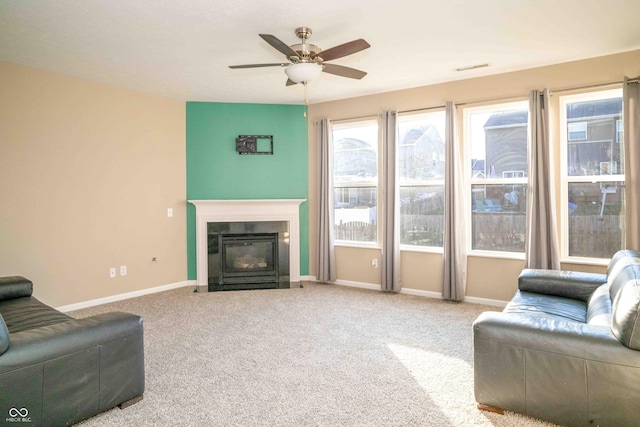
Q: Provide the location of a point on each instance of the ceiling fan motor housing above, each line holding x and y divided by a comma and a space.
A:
305, 51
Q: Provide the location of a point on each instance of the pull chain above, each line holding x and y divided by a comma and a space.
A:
306, 99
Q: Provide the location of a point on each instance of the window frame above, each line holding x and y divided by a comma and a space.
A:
422, 183
566, 179
345, 124
467, 112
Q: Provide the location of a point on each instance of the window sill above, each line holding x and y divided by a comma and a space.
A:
497, 254
585, 261
422, 249
364, 245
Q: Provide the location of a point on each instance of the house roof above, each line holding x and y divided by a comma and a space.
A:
508, 118
575, 111
183, 49
604, 107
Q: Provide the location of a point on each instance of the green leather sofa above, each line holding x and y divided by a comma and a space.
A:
56, 370
566, 348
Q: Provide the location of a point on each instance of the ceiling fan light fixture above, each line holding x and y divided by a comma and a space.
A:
303, 72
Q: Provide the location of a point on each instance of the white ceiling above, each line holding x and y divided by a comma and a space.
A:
182, 49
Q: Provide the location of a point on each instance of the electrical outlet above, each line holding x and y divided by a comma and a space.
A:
112, 272
123, 270
170, 212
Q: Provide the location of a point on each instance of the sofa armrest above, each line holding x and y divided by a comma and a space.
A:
573, 339
46, 343
15, 287
566, 284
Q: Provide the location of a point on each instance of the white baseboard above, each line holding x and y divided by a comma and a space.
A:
421, 293
486, 301
120, 297
416, 292
349, 283
361, 285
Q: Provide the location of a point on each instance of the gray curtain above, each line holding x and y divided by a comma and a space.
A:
390, 264
541, 235
455, 210
326, 256
631, 94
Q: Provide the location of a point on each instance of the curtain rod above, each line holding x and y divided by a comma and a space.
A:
568, 89
348, 119
551, 91
415, 110
506, 98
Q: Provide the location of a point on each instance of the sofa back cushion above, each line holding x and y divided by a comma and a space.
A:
4, 336
624, 289
599, 308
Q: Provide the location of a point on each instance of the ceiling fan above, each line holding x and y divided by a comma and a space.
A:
307, 61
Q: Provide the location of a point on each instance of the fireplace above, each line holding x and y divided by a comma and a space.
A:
237, 217
247, 255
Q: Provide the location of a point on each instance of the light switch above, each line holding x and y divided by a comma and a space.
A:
170, 212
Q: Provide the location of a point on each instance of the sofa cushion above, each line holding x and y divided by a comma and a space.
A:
15, 287
624, 290
4, 336
21, 314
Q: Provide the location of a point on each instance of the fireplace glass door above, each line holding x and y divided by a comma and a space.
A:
248, 258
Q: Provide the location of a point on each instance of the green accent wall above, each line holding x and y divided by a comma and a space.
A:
216, 171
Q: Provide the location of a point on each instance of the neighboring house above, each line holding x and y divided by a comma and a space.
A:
354, 160
477, 168
506, 144
594, 133
421, 154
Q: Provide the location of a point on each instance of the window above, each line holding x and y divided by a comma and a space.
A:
497, 138
355, 181
421, 152
577, 131
619, 130
592, 175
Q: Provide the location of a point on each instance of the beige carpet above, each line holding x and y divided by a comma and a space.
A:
322, 355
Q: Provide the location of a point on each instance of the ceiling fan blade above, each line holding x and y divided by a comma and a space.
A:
279, 45
258, 65
343, 71
291, 82
343, 50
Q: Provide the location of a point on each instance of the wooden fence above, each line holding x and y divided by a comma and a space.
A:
356, 231
590, 235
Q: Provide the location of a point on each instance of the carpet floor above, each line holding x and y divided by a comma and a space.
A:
321, 355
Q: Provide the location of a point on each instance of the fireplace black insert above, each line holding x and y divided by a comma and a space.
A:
247, 261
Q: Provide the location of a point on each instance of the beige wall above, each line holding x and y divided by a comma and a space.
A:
490, 278
87, 173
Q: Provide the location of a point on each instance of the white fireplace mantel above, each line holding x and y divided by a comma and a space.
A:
246, 211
